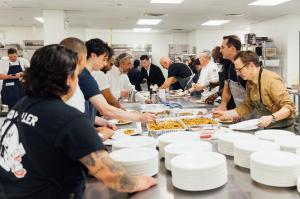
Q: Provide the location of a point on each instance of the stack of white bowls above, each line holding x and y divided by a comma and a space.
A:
137, 161
244, 148
179, 136
272, 134
133, 142
199, 171
186, 147
275, 168
226, 141
289, 143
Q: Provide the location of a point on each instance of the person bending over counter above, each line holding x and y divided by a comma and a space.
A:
266, 93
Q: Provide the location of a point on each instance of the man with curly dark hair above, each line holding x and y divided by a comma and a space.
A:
46, 145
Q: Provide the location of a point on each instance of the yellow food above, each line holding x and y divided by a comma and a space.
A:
122, 122
164, 125
198, 121
128, 132
185, 114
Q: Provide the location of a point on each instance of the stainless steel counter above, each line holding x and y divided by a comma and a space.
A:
239, 185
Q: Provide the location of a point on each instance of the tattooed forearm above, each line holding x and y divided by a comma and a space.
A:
110, 172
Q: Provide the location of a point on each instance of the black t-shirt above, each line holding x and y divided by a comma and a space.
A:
57, 136
179, 70
230, 74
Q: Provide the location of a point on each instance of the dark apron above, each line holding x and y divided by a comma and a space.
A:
261, 110
12, 90
186, 82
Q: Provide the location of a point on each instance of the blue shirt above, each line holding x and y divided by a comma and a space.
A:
89, 88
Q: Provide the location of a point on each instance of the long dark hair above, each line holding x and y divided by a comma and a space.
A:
48, 71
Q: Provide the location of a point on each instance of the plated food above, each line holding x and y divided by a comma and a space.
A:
190, 112
119, 122
191, 122
226, 120
164, 125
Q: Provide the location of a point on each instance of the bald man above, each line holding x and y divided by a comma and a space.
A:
177, 72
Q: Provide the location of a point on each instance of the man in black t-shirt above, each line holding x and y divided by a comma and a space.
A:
46, 146
177, 72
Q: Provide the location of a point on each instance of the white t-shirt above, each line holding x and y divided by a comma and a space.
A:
4, 64
209, 73
119, 81
101, 79
77, 100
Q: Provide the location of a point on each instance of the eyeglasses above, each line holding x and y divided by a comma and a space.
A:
239, 70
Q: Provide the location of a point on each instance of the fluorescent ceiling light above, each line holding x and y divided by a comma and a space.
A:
39, 19
215, 22
142, 29
148, 21
267, 2
167, 1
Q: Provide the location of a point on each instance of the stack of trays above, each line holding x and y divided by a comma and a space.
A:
244, 148
289, 143
226, 141
137, 161
199, 171
133, 142
275, 168
186, 147
272, 134
174, 137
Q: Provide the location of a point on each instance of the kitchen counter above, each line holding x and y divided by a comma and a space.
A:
239, 185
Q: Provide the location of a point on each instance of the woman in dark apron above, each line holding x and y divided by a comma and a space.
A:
12, 90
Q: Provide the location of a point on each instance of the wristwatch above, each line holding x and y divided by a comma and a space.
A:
273, 119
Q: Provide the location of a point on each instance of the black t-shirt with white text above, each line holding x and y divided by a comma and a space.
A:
43, 161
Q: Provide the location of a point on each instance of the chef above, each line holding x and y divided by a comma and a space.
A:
266, 94
11, 70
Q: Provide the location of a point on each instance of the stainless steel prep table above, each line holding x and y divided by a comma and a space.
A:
239, 185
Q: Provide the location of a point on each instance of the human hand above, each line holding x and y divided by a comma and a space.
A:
148, 101
265, 121
124, 94
210, 99
144, 182
105, 132
147, 117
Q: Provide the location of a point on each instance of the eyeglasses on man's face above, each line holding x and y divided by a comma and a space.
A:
240, 69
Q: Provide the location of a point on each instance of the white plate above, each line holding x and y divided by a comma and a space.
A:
245, 125
116, 122
272, 134
134, 142
120, 132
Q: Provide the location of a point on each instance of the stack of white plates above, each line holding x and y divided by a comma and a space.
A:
226, 141
133, 142
272, 134
245, 125
186, 147
179, 136
137, 161
298, 184
275, 168
199, 171
298, 151
289, 143
244, 148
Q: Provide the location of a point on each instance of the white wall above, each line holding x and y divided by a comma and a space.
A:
285, 33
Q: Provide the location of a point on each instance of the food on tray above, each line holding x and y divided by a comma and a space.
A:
164, 125
226, 120
129, 132
200, 113
186, 114
164, 112
123, 122
198, 121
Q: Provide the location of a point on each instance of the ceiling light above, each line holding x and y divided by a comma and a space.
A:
142, 29
268, 2
215, 22
148, 21
39, 19
167, 1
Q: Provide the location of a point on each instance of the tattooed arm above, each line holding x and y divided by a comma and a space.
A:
113, 175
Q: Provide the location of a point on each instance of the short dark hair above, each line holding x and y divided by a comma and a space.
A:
74, 44
48, 71
96, 46
136, 63
143, 57
247, 57
197, 62
12, 51
233, 40
110, 51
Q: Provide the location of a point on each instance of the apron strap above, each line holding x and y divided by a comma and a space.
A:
259, 84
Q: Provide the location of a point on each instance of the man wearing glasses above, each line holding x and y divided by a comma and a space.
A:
234, 87
266, 94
